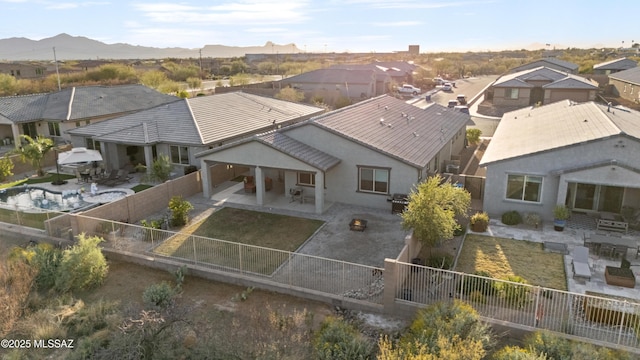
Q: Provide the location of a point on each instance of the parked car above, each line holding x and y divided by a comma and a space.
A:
409, 89
452, 104
447, 87
461, 99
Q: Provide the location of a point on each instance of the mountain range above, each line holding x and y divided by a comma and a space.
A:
69, 47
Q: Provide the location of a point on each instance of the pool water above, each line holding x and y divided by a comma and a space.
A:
33, 198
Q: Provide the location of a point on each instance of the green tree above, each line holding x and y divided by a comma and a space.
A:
290, 94
8, 84
432, 210
160, 169
34, 151
6, 167
153, 79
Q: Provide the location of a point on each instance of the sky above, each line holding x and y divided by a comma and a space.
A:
333, 25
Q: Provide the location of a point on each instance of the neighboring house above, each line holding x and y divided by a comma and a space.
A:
333, 83
361, 154
626, 84
53, 114
21, 70
614, 66
540, 85
581, 155
549, 62
400, 72
182, 128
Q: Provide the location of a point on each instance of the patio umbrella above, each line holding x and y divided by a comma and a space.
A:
79, 155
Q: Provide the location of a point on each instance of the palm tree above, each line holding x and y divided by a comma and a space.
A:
34, 151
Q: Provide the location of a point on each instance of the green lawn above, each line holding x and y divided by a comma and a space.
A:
268, 230
504, 257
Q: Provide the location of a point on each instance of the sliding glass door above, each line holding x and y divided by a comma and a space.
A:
590, 197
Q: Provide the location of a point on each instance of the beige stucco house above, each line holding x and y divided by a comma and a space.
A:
361, 154
626, 84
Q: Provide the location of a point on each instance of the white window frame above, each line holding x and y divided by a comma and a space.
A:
526, 179
375, 172
306, 182
182, 153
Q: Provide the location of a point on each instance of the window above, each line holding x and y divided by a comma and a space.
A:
511, 93
524, 187
180, 155
92, 144
54, 128
306, 178
373, 180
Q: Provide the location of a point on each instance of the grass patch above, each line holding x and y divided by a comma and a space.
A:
49, 177
506, 257
141, 187
272, 231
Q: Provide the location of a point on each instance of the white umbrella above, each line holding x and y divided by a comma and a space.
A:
79, 155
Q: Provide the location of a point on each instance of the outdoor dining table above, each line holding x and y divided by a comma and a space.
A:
613, 240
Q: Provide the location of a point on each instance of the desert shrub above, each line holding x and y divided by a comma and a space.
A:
460, 230
6, 167
511, 218
159, 295
477, 296
83, 265
486, 287
517, 353
16, 279
92, 318
440, 261
179, 210
338, 340
47, 261
542, 342
515, 295
473, 136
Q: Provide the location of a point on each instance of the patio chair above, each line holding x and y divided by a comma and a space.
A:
619, 251
111, 177
580, 263
79, 177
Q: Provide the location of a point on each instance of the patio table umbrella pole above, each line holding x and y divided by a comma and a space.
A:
57, 181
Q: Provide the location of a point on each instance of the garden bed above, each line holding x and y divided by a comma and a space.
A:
620, 277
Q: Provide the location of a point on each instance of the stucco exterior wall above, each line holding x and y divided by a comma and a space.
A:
542, 164
626, 90
499, 99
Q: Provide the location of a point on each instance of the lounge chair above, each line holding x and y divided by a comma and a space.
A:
580, 263
122, 176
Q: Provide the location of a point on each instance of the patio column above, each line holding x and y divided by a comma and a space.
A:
148, 158
204, 173
259, 179
562, 190
319, 192
16, 135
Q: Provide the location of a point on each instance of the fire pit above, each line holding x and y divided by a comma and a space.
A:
357, 225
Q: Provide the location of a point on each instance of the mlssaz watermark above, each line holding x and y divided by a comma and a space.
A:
36, 343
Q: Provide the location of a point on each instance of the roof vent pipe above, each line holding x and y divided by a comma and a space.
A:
609, 106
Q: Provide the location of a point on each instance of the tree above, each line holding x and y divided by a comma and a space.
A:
6, 167
160, 169
179, 210
432, 210
34, 151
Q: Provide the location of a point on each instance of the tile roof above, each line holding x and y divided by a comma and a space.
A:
81, 103
395, 128
557, 125
548, 62
616, 64
199, 121
557, 79
630, 76
298, 150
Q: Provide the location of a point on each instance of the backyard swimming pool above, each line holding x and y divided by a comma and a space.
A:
29, 198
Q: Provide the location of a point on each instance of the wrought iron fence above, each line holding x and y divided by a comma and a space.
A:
610, 320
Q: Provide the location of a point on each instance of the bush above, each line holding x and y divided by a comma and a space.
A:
515, 295
179, 210
440, 261
542, 342
479, 221
158, 295
473, 136
517, 353
532, 219
460, 230
83, 266
337, 340
486, 287
511, 218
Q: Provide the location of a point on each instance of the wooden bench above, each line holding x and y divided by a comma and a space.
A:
613, 225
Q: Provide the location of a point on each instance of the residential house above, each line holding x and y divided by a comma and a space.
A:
21, 70
626, 84
54, 114
331, 84
184, 127
548, 62
361, 154
400, 72
614, 66
540, 85
583, 155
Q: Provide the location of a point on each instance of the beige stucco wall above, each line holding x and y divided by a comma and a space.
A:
522, 100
